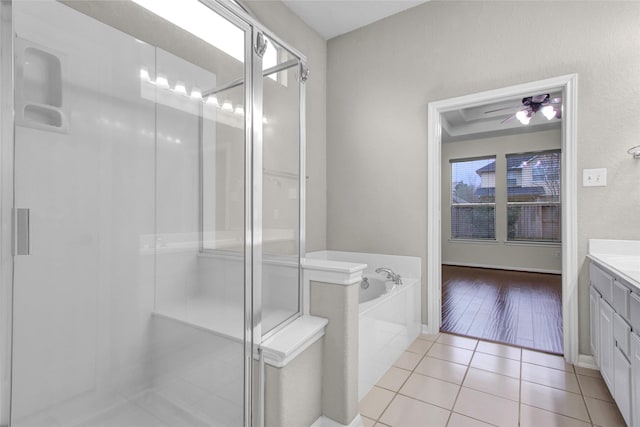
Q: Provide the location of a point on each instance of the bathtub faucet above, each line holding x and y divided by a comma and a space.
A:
390, 275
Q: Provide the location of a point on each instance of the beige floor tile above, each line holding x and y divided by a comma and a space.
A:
428, 337
554, 400
551, 377
393, 378
587, 372
407, 360
406, 412
536, 417
430, 390
490, 382
456, 341
442, 369
420, 346
603, 413
501, 350
457, 420
486, 407
544, 359
367, 422
372, 405
381, 425
594, 387
452, 354
496, 364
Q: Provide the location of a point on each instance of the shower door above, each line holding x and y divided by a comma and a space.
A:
130, 278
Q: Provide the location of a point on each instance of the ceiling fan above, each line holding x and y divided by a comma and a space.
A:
549, 107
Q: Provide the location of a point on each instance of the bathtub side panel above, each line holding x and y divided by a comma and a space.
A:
385, 333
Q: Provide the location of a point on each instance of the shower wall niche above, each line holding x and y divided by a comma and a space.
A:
159, 216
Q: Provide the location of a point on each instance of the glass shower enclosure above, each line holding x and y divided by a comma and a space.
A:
152, 220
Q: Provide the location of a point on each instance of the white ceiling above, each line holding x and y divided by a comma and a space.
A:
331, 18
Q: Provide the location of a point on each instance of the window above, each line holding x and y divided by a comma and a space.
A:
533, 198
473, 198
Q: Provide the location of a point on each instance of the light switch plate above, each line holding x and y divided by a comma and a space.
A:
594, 177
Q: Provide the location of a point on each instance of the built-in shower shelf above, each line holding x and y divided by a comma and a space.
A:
217, 317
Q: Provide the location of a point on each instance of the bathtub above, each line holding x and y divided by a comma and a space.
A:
389, 316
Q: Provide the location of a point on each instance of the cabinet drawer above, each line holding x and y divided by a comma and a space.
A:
621, 299
602, 281
634, 308
621, 333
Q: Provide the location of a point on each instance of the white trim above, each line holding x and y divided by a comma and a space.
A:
328, 422
587, 361
568, 85
427, 330
288, 343
502, 267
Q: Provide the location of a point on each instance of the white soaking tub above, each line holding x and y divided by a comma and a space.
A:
389, 317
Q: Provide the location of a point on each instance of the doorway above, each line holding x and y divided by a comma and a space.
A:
566, 86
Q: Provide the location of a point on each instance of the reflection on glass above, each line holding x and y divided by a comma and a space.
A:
473, 189
281, 193
533, 197
202, 22
120, 317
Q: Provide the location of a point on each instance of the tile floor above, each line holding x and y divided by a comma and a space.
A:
447, 380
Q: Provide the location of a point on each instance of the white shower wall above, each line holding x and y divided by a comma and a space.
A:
121, 181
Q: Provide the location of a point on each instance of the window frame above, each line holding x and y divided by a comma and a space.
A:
557, 204
454, 205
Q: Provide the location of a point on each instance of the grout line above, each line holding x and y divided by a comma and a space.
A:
404, 382
584, 400
464, 377
520, 392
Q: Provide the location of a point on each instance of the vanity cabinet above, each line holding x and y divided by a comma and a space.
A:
614, 308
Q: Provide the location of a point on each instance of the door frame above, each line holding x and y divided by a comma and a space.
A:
568, 84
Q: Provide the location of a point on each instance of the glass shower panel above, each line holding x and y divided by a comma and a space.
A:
120, 317
280, 187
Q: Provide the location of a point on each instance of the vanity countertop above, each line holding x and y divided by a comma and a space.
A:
620, 256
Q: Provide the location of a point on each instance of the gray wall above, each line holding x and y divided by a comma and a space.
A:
381, 78
279, 19
498, 254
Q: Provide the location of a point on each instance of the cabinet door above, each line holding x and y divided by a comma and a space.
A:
607, 344
635, 379
594, 308
622, 380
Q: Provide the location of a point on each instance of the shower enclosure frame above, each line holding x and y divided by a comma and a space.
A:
253, 134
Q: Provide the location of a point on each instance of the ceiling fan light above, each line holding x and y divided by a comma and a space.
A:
549, 112
523, 116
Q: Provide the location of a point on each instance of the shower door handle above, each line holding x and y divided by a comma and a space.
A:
21, 241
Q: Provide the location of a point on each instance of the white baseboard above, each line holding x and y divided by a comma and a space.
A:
328, 422
586, 361
427, 330
502, 267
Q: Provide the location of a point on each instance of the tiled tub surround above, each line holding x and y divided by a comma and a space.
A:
387, 324
447, 380
614, 309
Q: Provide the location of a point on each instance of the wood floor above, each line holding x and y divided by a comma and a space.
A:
512, 307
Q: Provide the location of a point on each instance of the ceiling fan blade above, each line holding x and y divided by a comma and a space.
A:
501, 109
508, 119
555, 101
